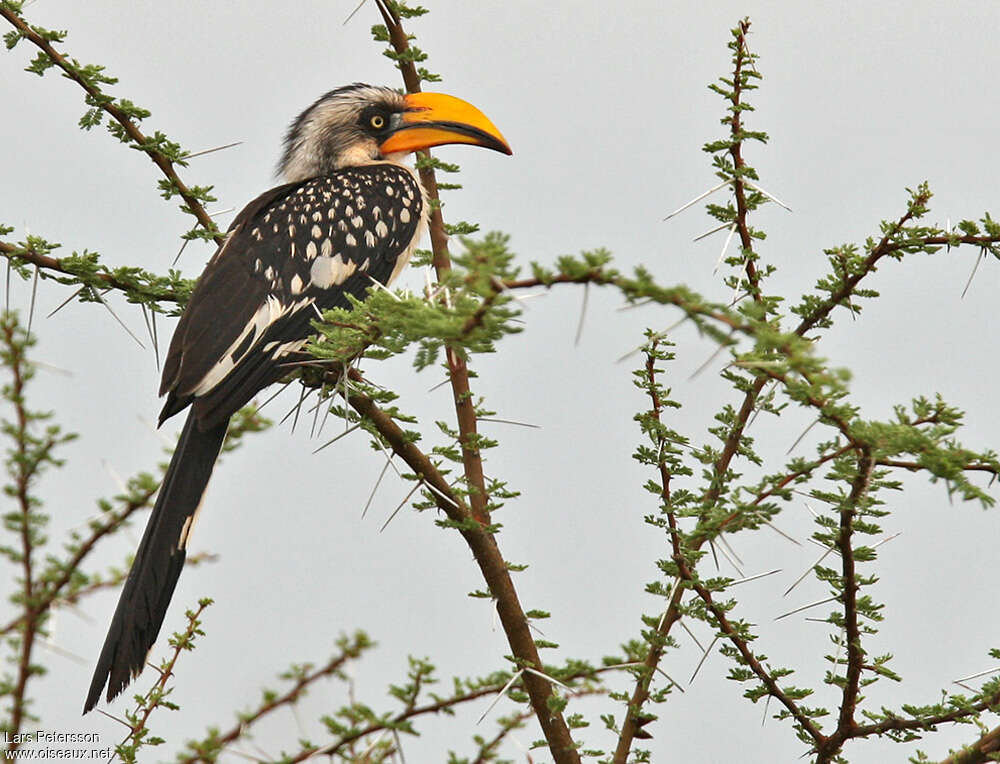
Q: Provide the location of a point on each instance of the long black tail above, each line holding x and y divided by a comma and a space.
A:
158, 562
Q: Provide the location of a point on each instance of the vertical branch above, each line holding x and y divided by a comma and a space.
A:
155, 697
846, 724
736, 152
26, 459
21, 467
458, 371
635, 716
72, 71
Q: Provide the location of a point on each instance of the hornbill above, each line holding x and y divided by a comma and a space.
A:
349, 215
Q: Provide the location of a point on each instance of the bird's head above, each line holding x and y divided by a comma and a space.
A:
359, 124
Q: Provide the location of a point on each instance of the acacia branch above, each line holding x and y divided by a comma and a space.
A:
491, 564
765, 677
720, 469
886, 246
23, 464
914, 466
736, 152
481, 542
846, 725
131, 129
154, 698
635, 717
51, 592
984, 749
98, 279
458, 371
288, 698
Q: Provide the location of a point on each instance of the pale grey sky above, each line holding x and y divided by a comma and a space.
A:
606, 108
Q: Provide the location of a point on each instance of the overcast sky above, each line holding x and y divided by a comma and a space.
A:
606, 108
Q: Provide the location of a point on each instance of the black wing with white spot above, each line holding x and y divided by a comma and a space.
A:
295, 250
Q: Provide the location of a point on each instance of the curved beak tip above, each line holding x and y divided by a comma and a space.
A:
436, 119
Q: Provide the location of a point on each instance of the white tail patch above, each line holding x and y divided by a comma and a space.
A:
189, 523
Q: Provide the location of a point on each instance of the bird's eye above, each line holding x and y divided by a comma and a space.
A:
377, 121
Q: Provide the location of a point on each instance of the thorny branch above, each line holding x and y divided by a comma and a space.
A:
889, 244
50, 592
491, 564
157, 693
736, 152
481, 541
350, 649
983, 750
855, 653
26, 463
103, 279
634, 716
141, 141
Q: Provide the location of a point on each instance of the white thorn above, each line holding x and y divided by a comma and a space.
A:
714, 230
510, 421
808, 571
979, 258
886, 540
703, 657
583, 314
334, 440
804, 433
698, 198
806, 607
401, 505
673, 681
382, 286
753, 578
547, 678
770, 196
976, 676
722, 254
500, 695
780, 532
691, 634
209, 151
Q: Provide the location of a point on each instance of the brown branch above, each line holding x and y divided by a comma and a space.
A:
47, 598
24, 466
438, 706
727, 628
736, 152
49, 263
71, 72
482, 542
984, 749
791, 477
458, 371
289, 697
882, 249
913, 466
152, 699
491, 564
635, 718
846, 725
